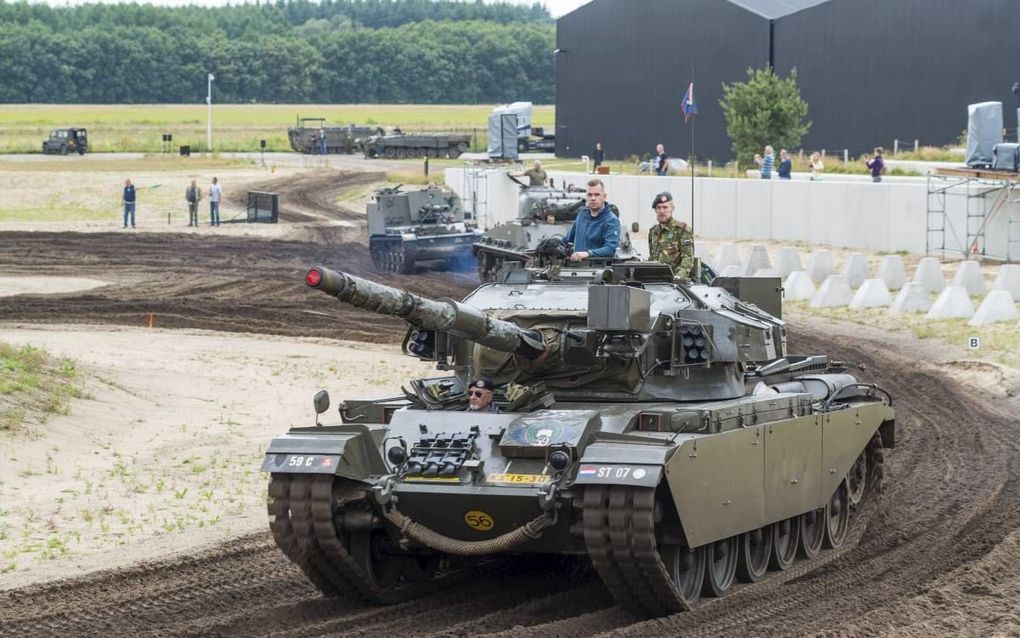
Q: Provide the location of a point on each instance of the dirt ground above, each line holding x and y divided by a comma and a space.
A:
152, 474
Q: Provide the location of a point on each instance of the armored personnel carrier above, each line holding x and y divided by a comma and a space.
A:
304, 136
416, 145
406, 227
543, 213
662, 430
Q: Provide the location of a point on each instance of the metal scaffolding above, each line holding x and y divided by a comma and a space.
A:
987, 196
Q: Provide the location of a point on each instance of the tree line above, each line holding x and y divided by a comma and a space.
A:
289, 51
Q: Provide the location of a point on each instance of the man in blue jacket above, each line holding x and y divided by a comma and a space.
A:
596, 230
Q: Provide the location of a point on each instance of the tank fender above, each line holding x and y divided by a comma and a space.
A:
343, 450
614, 463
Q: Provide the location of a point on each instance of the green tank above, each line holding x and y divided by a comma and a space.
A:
406, 227
659, 430
402, 146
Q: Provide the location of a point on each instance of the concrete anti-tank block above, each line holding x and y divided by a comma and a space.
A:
929, 274
953, 302
871, 294
997, 306
891, 271
968, 276
856, 269
788, 262
757, 258
913, 297
765, 272
733, 270
798, 286
820, 266
835, 291
1008, 278
726, 255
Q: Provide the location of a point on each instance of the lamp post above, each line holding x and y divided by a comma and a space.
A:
208, 129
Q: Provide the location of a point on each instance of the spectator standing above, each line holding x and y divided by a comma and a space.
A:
877, 165
599, 156
322, 140
661, 161
215, 192
192, 195
785, 164
816, 166
766, 162
128, 200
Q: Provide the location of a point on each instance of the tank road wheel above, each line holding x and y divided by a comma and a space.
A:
754, 549
378, 556
812, 533
720, 567
401, 153
644, 576
432, 152
421, 152
857, 479
785, 538
389, 152
452, 152
837, 517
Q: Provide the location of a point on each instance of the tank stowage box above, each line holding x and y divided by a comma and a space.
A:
406, 227
659, 430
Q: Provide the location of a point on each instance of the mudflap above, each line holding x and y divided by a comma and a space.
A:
349, 451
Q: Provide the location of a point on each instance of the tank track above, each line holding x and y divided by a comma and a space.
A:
619, 529
301, 519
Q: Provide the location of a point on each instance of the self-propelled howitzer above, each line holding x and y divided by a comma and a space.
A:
658, 429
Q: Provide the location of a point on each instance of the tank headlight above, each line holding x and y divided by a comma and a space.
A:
559, 460
397, 455
408, 236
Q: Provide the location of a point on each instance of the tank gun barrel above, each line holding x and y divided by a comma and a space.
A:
445, 315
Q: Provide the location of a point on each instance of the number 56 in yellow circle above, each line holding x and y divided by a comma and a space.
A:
479, 520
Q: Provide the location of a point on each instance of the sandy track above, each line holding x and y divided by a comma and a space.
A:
935, 556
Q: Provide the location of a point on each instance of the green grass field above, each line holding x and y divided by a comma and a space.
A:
236, 127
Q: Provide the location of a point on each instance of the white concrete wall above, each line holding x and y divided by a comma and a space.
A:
852, 213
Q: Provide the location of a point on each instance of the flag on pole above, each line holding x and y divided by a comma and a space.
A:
689, 106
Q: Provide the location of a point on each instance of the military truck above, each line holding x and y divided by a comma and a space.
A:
406, 227
304, 136
660, 430
67, 140
401, 146
543, 213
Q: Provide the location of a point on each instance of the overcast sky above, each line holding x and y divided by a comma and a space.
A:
555, 7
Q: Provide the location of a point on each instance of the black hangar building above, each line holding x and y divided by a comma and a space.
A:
871, 71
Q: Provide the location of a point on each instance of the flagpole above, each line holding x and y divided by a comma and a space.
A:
692, 161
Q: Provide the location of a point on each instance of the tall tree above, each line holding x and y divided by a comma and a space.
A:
766, 109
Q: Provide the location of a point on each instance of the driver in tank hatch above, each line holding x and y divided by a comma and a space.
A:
596, 230
480, 394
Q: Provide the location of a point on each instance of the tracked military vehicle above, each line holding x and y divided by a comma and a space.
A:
402, 146
406, 227
304, 136
543, 213
662, 430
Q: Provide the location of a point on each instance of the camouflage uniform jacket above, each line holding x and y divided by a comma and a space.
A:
666, 245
